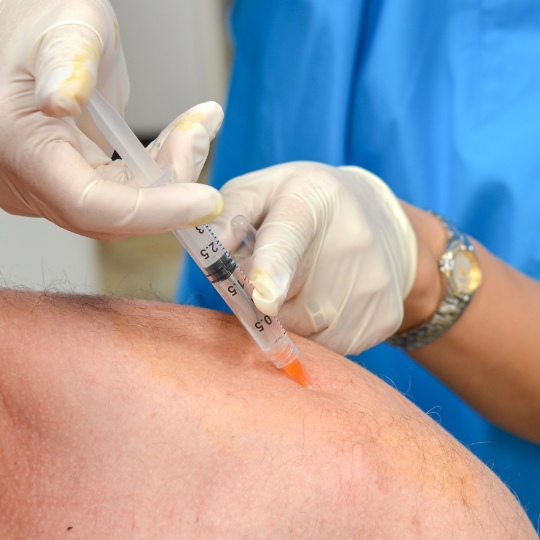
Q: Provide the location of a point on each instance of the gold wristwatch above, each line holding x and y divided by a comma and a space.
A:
462, 274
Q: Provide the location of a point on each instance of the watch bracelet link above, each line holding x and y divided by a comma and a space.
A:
435, 327
450, 309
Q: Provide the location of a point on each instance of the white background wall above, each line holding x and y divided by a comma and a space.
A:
177, 56
36, 254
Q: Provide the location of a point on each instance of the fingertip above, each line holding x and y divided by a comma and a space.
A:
214, 118
66, 69
185, 143
213, 210
267, 295
209, 115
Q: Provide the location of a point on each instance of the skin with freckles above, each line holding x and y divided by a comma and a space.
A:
123, 419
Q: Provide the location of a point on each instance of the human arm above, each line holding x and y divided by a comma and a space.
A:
332, 244
53, 161
490, 356
145, 419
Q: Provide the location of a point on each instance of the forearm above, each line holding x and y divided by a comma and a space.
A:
490, 356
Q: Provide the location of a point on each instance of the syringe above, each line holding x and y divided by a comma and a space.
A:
203, 246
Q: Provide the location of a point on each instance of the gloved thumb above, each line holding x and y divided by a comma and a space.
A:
66, 68
284, 238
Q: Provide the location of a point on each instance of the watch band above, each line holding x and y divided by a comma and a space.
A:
454, 302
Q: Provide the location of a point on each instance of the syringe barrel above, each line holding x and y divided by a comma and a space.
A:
237, 291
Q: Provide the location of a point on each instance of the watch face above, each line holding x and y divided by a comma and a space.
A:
466, 273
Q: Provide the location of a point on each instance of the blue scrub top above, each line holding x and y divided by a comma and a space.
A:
441, 100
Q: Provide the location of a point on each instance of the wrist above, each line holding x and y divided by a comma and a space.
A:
460, 270
428, 287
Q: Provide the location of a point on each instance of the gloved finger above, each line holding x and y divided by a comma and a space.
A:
184, 145
140, 211
100, 208
284, 241
66, 69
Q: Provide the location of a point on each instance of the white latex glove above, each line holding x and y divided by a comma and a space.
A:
53, 161
335, 256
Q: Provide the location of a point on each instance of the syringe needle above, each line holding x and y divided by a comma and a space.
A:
297, 373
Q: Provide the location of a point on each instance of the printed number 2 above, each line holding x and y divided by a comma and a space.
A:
204, 252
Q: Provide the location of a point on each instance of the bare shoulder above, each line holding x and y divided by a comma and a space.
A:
155, 420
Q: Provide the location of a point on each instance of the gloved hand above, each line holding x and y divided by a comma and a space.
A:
335, 255
53, 161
